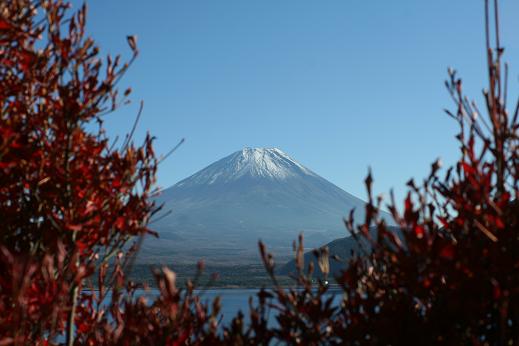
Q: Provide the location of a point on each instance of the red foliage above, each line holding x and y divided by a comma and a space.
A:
70, 203
450, 276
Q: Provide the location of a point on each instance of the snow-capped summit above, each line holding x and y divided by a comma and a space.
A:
270, 163
221, 211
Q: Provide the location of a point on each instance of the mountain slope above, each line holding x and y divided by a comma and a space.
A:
341, 248
220, 212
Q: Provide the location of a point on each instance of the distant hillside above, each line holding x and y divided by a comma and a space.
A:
341, 248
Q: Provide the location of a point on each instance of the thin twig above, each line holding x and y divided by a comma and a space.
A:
172, 150
130, 135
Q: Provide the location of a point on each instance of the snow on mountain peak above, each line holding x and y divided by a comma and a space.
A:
270, 163
266, 162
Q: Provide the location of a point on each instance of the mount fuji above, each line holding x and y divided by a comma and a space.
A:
220, 212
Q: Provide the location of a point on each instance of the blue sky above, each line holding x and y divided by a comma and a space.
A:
339, 85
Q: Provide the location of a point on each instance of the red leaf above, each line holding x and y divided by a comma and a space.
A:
408, 203
496, 289
468, 169
419, 231
83, 327
4, 25
447, 252
74, 228
119, 222
81, 246
26, 60
427, 283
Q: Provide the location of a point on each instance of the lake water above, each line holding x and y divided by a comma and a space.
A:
234, 300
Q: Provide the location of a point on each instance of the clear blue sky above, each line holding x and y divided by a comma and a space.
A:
339, 85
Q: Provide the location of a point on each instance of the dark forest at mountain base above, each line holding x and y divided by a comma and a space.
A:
243, 276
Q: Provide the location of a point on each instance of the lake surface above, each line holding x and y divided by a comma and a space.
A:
234, 300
